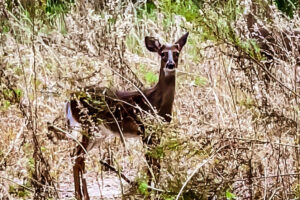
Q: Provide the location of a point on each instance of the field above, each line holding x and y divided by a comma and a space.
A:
235, 123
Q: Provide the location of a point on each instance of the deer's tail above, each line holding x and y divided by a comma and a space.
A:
72, 122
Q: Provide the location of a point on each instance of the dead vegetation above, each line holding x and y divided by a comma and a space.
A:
235, 126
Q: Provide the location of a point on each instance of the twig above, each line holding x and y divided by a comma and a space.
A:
180, 72
265, 70
261, 141
231, 93
117, 172
150, 105
23, 186
265, 177
120, 130
69, 135
158, 190
248, 139
37, 154
273, 77
13, 143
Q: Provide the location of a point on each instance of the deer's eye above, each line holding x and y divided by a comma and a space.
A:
176, 54
164, 54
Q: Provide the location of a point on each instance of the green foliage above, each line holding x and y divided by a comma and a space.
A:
148, 10
185, 8
18, 92
5, 104
31, 163
151, 77
200, 81
250, 47
170, 8
297, 191
9, 97
168, 197
43, 149
44, 11
19, 192
191, 195
172, 144
288, 6
133, 44
217, 23
157, 152
4, 26
229, 195
56, 7
247, 103
194, 50
148, 76
143, 187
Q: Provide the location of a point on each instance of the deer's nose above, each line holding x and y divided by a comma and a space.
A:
170, 65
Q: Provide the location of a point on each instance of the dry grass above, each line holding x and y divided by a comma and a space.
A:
244, 132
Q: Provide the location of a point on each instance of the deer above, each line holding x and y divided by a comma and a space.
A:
119, 114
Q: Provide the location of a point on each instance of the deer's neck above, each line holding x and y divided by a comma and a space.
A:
161, 96
166, 87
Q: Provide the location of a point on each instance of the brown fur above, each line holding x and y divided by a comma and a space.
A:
122, 103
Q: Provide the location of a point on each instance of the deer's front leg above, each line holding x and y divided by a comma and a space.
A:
152, 161
78, 171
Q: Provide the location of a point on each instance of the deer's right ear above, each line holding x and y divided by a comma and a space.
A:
152, 44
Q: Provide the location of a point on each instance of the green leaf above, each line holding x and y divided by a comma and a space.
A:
43, 149
6, 104
151, 77
169, 198
287, 6
230, 195
143, 187
200, 81
31, 163
18, 92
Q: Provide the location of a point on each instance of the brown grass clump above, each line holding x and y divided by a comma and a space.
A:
235, 127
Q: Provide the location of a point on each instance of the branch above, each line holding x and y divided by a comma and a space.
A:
271, 176
117, 172
68, 135
23, 186
197, 168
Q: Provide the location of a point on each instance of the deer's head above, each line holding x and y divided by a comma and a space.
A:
169, 53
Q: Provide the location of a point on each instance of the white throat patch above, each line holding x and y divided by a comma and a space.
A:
169, 72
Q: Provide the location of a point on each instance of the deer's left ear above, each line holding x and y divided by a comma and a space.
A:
152, 44
181, 42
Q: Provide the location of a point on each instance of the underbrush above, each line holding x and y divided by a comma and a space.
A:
235, 127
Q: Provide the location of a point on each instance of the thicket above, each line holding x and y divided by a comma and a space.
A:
235, 128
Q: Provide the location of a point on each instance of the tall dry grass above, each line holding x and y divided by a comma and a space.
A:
232, 133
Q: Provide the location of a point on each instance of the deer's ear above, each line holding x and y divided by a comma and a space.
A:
181, 42
152, 44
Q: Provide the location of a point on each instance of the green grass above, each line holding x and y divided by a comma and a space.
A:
200, 81
148, 76
148, 10
133, 44
185, 8
288, 7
